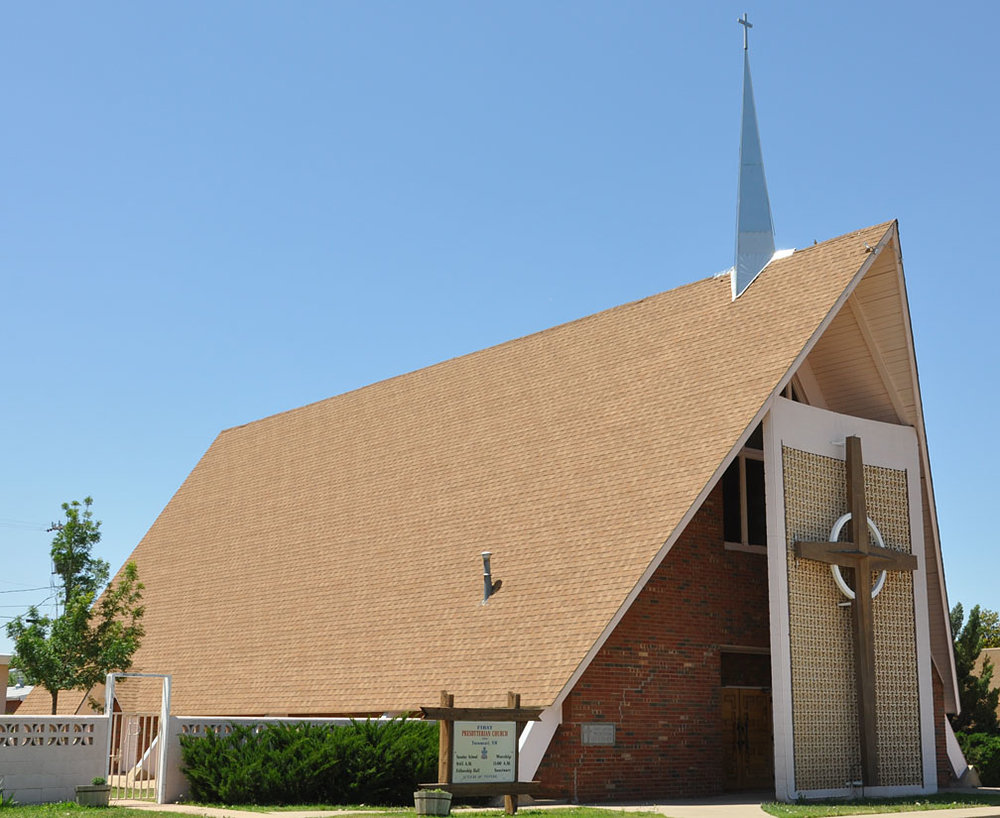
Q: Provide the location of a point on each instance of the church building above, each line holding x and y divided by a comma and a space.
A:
671, 493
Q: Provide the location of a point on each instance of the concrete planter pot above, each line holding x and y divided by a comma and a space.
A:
431, 802
93, 795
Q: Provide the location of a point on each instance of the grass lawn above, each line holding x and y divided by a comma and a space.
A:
464, 810
67, 808
457, 808
820, 809
70, 810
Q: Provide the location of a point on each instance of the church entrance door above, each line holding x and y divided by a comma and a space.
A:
748, 742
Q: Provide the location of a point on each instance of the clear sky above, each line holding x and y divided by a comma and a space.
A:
212, 212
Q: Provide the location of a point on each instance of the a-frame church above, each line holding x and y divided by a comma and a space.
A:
669, 491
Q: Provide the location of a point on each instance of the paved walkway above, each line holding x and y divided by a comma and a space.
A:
744, 805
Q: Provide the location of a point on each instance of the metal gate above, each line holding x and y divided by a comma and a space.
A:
137, 737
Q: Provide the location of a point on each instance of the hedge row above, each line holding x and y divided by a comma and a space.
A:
368, 762
982, 751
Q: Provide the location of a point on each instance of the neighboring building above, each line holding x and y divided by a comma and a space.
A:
16, 693
4, 673
993, 655
642, 478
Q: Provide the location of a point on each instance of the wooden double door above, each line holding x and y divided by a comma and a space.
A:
747, 739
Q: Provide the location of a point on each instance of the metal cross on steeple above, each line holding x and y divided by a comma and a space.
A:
743, 21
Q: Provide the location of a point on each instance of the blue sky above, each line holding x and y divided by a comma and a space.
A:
214, 212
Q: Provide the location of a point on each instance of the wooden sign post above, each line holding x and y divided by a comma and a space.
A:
478, 748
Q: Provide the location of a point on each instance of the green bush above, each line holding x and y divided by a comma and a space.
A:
982, 751
5, 800
369, 762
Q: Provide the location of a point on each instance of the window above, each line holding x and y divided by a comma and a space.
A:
793, 391
744, 509
749, 669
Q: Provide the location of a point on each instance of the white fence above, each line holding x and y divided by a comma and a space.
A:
43, 758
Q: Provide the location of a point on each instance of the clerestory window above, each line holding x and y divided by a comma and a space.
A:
743, 503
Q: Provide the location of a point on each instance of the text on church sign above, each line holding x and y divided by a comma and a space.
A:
484, 751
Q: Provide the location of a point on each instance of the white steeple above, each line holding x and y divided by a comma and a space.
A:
754, 227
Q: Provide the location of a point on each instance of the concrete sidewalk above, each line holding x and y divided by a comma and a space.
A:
742, 805
747, 805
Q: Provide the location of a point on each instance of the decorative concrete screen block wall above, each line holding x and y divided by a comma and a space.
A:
43, 758
816, 723
823, 689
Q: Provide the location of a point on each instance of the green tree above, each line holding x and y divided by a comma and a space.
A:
84, 642
978, 702
990, 621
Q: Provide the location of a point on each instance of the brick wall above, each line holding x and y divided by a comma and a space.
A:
945, 777
657, 677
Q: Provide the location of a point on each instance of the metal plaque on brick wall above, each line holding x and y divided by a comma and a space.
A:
601, 734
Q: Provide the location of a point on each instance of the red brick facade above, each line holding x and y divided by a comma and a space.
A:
657, 678
945, 776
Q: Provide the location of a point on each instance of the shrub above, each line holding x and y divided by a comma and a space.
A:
5, 800
371, 762
982, 751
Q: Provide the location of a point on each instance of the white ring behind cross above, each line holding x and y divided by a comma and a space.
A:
845, 589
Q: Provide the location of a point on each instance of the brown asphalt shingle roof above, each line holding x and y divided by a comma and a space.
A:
326, 560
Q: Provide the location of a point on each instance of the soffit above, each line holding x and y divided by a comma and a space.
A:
864, 366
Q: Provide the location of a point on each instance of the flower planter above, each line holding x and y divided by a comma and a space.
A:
432, 802
93, 795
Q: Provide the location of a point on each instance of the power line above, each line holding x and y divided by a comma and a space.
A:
25, 525
24, 590
47, 600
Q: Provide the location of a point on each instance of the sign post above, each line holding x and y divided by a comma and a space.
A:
478, 748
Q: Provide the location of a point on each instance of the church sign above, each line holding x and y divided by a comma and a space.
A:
483, 751
478, 748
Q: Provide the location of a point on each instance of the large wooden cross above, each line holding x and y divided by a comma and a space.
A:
864, 557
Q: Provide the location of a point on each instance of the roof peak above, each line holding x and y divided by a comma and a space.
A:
754, 226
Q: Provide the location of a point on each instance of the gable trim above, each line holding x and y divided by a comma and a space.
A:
950, 690
682, 524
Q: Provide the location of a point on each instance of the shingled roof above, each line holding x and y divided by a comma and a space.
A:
326, 560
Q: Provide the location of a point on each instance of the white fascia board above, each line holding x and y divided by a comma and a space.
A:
535, 741
956, 757
928, 480
703, 494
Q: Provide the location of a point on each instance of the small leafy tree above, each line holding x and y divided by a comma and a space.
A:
978, 702
990, 621
77, 648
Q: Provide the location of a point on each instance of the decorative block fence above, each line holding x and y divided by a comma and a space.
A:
43, 758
